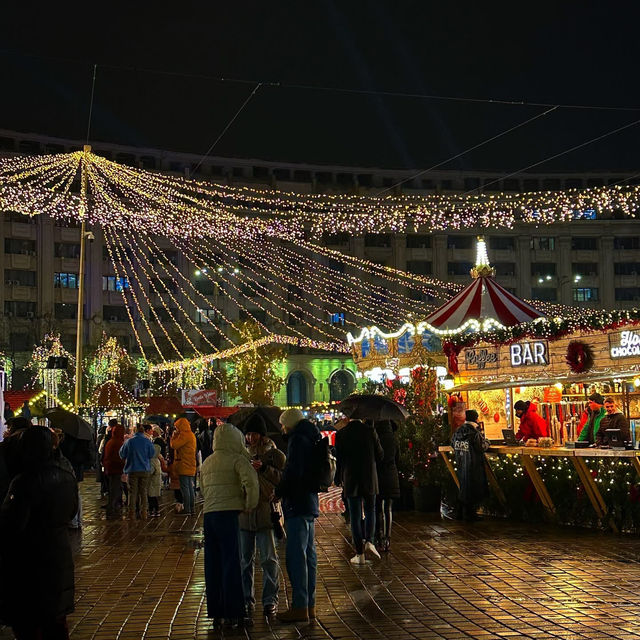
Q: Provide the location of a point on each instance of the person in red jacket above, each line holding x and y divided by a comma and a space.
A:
113, 466
532, 425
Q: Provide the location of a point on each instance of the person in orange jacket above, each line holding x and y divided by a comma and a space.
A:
183, 442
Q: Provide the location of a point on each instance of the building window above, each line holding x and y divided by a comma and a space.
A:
20, 277
459, 268
341, 385
585, 294
297, 389
584, 268
65, 311
626, 244
584, 244
115, 313
19, 309
505, 268
627, 294
626, 268
420, 267
336, 318
66, 250
114, 283
204, 286
545, 294
418, 241
66, 280
208, 316
543, 269
164, 257
460, 242
502, 243
377, 240
162, 286
17, 246
336, 239
543, 243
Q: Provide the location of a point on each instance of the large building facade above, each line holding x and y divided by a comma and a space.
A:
592, 262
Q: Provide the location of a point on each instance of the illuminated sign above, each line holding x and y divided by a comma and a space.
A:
481, 358
624, 344
529, 353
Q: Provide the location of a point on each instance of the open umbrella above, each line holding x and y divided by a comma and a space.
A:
361, 406
270, 415
70, 423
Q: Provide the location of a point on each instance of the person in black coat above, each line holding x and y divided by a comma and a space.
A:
36, 564
358, 450
469, 445
388, 482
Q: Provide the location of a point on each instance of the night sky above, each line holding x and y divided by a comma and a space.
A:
157, 68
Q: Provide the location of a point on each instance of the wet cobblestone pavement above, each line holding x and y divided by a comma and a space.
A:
492, 579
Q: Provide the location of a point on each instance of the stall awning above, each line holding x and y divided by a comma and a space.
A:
592, 376
213, 412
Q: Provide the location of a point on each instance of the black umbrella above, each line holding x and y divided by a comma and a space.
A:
69, 423
270, 415
361, 406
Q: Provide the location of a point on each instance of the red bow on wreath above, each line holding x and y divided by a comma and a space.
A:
579, 356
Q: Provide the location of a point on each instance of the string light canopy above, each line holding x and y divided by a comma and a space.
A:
171, 206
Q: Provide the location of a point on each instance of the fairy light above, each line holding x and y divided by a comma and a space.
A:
142, 259
134, 278
116, 267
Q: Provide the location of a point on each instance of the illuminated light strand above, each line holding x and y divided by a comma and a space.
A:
142, 290
209, 269
342, 292
141, 256
287, 305
551, 328
205, 268
175, 366
118, 268
353, 281
151, 246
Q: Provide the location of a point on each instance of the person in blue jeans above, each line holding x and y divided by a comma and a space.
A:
256, 526
300, 506
138, 451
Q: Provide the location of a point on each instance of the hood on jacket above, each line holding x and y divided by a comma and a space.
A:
226, 437
117, 432
307, 429
181, 425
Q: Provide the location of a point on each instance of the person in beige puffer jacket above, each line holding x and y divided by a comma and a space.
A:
229, 486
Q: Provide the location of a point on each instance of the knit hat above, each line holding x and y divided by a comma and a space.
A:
255, 424
521, 405
597, 398
471, 415
290, 418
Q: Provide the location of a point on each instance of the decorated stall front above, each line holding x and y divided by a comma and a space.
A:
555, 363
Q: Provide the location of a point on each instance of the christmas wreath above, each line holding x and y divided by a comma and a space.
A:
579, 356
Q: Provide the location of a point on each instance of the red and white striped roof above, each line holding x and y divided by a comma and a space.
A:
484, 298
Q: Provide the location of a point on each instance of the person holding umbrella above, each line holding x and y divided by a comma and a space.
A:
358, 451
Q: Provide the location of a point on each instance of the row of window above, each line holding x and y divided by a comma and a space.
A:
496, 243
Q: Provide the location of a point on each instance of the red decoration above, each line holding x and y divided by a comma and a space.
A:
451, 351
579, 356
496, 417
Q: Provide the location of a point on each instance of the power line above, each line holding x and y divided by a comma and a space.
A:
557, 155
93, 90
476, 146
308, 87
237, 113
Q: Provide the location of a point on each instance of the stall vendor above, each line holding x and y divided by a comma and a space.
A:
596, 413
613, 419
532, 424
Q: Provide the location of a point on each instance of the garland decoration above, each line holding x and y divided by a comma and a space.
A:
579, 356
545, 328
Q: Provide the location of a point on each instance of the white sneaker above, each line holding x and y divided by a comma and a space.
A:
371, 548
358, 559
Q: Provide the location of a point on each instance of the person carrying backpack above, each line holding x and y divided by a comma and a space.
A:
299, 495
